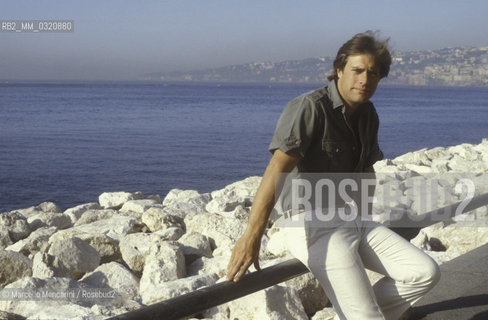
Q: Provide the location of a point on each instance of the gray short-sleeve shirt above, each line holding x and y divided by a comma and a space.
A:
314, 127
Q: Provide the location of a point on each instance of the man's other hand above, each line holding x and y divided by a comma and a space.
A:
245, 253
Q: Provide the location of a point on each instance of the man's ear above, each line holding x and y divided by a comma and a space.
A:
339, 73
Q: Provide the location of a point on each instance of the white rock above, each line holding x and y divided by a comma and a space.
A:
436, 153
46, 266
76, 255
155, 197
418, 157
238, 193
5, 240
139, 205
17, 225
186, 202
54, 292
112, 311
116, 276
35, 242
76, 212
421, 241
92, 215
172, 233
325, 314
171, 289
220, 312
66, 312
460, 164
276, 245
274, 303
159, 219
420, 169
165, 262
240, 212
222, 231
14, 266
49, 207
310, 291
107, 248
459, 238
135, 247
114, 227
49, 219
195, 245
466, 151
204, 265
115, 200
440, 164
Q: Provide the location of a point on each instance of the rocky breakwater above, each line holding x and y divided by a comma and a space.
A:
105, 258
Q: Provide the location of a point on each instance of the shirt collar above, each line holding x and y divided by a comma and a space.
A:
334, 95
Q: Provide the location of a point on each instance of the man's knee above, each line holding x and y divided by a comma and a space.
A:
431, 273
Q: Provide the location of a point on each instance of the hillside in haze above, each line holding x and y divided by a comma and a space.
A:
459, 66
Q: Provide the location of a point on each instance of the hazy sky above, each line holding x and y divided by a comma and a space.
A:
121, 40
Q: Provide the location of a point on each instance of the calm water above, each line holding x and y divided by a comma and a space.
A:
69, 143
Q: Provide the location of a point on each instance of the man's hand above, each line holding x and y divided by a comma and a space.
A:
245, 253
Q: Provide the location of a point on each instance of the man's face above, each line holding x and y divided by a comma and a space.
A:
359, 79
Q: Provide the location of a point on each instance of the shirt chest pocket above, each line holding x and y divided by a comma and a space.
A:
339, 155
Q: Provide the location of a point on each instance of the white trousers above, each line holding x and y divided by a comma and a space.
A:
337, 253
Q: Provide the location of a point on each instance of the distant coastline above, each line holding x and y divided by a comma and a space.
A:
458, 66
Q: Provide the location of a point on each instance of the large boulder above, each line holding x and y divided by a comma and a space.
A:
76, 212
14, 266
165, 262
310, 291
49, 219
5, 240
240, 193
16, 224
195, 245
139, 205
66, 311
185, 202
43, 207
39, 294
167, 290
45, 266
204, 265
222, 231
135, 247
77, 255
115, 227
159, 219
273, 303
35, 242
92, 215
276, 246
115, 276
115, 200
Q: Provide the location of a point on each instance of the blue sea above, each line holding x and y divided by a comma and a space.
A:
70, 142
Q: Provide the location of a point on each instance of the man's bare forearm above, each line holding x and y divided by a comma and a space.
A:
264, 200
246, 249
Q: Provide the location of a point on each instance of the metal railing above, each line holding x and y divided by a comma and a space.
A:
194, 302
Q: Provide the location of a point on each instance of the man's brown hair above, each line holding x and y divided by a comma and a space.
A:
363, 43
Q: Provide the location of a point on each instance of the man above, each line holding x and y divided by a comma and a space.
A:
332, 130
